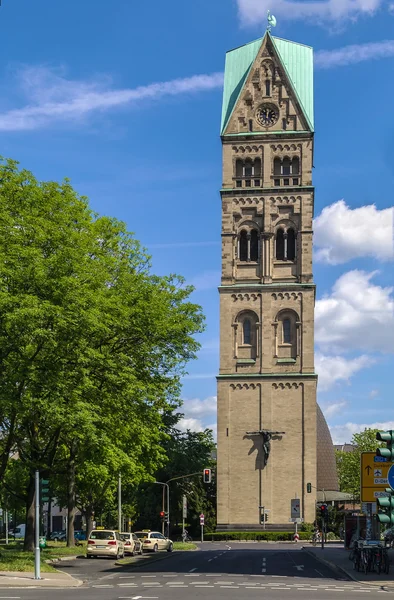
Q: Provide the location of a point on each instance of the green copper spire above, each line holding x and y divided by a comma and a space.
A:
297, 62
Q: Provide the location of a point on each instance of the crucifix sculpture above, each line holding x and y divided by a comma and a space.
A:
267, 436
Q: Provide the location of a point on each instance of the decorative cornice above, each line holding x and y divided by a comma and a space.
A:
268, 376
263, 286
273, 190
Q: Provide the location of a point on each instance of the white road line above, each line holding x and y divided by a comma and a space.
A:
205, 586
230, 587
192, 570
148, 576
102, 586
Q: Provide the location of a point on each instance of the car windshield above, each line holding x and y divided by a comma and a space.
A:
142, 534
102, 535
125, 536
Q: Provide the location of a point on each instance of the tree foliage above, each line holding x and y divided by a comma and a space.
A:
348, 463
92, 344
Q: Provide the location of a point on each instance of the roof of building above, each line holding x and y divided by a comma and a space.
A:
297, 61
344, 447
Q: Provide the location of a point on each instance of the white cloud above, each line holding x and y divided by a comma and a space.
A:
200, 408
343, 433
53, 98
332, 369
356, 53
334, 408
189, 423
342, 233
254, 12
357, 315
373, 394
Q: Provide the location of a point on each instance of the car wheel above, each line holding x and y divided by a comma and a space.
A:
155, 548
170, 548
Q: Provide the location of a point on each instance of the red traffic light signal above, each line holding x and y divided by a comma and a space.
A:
162, 514
207, 475
324, 511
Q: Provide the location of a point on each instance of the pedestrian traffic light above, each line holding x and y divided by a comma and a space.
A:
386, 508
324, 512
309, 488
162, 515
388, 437
44, 490
207, 476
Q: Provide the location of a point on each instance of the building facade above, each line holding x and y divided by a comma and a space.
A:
267, 412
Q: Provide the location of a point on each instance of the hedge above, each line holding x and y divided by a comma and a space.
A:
263, 536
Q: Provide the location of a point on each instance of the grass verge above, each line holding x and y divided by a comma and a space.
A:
13, 558
185, 546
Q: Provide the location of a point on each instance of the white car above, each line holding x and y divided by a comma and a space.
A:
105, 542
153, 541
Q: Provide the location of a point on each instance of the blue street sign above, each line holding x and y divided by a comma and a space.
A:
390, 477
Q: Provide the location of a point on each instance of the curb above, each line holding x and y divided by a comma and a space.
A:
51, 561
335, 567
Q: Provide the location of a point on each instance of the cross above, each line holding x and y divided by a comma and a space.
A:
267, 435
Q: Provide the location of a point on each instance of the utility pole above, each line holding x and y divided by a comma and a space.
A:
120, 503
37, 565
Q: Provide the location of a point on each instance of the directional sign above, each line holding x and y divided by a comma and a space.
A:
390, 477
295, 508
374, 471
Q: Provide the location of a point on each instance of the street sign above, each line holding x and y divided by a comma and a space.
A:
295, 508
296, 520
390, 477
184, 507
202, 519
374, 472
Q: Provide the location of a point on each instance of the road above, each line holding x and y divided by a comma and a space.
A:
216, 572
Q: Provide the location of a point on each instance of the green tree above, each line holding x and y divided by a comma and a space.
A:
348, 463
92, 345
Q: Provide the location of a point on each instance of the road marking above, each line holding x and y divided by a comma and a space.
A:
192, 570
102, 586
230, 587
148, 576
205, 586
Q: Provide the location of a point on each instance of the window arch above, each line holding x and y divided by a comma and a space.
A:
243, 246
239, 168
246, 328
285, 244
257, 167
286, 166
280, 244
295, 165
277, 166
248, 169
287, 335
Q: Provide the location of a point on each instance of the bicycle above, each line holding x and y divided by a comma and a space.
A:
316, 538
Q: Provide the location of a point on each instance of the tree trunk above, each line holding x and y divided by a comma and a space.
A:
30, 515
71, 498
89, 520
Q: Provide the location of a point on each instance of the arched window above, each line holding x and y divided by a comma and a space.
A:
291, 244
286, 331
295, 165
280, 244
286, 166
247, 332
254, 245
243, 246
248, 168
277, 166
267, 87
257, 167
239, 167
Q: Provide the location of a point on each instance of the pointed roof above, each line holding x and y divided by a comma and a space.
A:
296, 59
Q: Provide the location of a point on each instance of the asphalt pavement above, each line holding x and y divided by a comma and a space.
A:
215, 572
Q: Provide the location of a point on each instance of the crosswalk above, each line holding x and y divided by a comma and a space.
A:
236, 582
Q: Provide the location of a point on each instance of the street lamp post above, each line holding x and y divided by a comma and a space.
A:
168, 504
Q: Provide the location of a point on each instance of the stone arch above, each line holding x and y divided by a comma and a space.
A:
246, 335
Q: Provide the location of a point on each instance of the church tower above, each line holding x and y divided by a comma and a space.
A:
267, 382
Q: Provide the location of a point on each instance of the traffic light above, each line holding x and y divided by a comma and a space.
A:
388, 437
44, 490
162, 515
309, 488
386, 508
207, 476
324, 512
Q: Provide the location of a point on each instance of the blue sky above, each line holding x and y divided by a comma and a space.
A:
124, 98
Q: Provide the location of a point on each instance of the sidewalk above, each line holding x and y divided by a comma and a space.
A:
16, 579
338, 558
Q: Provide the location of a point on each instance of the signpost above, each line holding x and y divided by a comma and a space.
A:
202, 521
374, 476
295, 510
184, 515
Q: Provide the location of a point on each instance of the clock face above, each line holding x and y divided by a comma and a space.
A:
267, 115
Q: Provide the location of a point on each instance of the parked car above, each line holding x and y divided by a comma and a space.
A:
19, 532
58, 536
80, 535
153, 541
132, 544
105, 542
